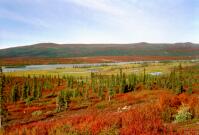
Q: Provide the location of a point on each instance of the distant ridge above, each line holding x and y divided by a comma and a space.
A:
50, 50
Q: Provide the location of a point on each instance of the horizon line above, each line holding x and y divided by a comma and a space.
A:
102, 43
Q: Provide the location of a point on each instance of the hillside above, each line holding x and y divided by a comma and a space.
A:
50, 50
116, 100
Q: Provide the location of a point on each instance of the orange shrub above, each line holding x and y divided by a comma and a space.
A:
145, 120
167, 100
184, 98
175, 102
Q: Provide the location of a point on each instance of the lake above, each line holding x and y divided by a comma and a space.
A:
57, 66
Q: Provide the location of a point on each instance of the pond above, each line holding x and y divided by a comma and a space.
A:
156, 73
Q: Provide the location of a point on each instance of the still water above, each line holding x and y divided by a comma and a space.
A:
56, 66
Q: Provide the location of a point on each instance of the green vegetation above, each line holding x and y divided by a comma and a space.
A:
62, 100
183, 114
140, 49
37, 113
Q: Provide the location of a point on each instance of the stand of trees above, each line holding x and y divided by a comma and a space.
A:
97, 85
3, 111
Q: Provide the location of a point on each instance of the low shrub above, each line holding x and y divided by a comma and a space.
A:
37, 113
167, 100
29, 100
194, 106
101, 105
183, 114
167, 114
110, 131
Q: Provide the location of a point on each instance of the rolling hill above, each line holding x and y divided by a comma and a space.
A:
52, 50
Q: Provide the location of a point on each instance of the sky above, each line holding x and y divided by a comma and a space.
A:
25, 22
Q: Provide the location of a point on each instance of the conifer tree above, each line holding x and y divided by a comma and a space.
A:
14, 93
111, 92
59, 81
39, 90
62, 101
86, 94
25, 91
113, 80
28, 89
144, 76
179, 88
122, 83
100, 92
35, 91
74, 92
3, 110
190, 90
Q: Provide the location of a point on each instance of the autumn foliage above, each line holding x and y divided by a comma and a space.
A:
118, 104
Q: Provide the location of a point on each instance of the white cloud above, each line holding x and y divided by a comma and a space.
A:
106, 6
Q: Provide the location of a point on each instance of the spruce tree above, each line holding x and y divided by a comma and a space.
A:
74, 93
86, 94
28, 89
144, 76
3, 110
111, 93
25, 91
59, 81
190, 89
100, 92
1, 98
39, 90
14, 93
35, 88
62, 101
122, 83
179, 88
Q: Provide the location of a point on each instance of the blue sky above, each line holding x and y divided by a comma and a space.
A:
24, 22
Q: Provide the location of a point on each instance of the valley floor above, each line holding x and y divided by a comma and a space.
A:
110, 102
97, 59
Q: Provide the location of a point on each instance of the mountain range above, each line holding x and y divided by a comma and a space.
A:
52, 50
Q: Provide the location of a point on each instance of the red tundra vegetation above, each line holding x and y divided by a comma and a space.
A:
53, 105
145, 118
